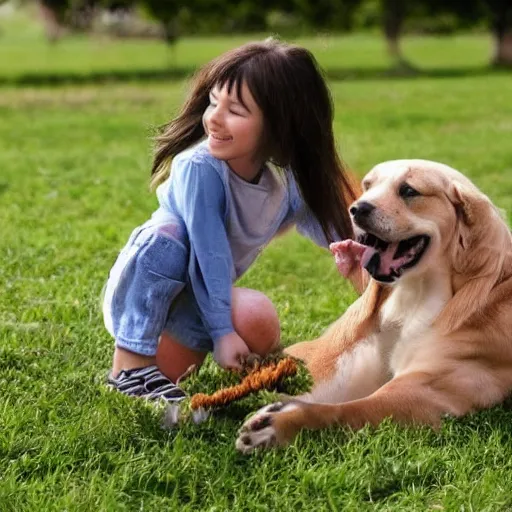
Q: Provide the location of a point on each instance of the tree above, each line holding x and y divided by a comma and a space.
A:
327, 14
393, 17
77, 15
53, 13
166, 12
498, 14
501, 25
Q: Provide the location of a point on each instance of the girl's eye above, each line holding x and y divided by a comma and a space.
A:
407, 191
235, 113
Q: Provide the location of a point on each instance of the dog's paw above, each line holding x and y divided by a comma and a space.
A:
260, 431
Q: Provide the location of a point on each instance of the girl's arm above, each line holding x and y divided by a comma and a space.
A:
307, 225
200, 195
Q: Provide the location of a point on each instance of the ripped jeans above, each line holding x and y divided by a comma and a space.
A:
147, 292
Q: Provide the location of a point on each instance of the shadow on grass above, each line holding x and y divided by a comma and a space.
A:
179, 73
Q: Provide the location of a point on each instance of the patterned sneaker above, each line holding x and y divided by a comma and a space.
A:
148, 382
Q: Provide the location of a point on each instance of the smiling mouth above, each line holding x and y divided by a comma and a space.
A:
387, 261
219, 138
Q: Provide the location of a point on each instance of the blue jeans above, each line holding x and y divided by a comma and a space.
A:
146, 292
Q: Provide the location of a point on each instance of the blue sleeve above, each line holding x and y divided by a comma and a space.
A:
202, 204
305, 222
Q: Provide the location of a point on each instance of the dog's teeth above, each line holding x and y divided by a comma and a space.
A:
397, 272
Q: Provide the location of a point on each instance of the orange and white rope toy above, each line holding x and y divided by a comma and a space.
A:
262, 376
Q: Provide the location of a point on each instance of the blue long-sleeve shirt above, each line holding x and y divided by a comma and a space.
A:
226, 222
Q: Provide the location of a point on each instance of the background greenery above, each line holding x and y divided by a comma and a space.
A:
207, 16
74, 163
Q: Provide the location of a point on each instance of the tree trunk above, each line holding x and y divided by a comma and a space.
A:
503, 52
393, 16
501, 25
51, 18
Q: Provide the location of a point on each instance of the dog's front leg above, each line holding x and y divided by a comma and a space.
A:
414, 398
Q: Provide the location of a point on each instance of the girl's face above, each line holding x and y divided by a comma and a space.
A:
234, 126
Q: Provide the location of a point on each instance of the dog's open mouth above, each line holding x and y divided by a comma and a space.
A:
387, 261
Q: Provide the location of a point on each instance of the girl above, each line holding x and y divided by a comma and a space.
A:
252, 154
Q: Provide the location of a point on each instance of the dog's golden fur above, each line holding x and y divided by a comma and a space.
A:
437, 341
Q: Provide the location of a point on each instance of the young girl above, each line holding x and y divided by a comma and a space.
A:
252, 153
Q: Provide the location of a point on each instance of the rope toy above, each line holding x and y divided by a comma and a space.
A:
260, 377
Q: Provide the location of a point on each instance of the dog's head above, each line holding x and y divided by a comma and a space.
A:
415, 215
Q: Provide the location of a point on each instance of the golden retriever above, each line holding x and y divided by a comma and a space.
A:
432, 333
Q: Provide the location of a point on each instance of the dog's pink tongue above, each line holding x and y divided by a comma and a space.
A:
386, 259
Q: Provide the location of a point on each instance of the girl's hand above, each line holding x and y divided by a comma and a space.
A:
347, 255
230, 351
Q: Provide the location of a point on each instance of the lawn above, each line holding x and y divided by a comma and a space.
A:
74, 163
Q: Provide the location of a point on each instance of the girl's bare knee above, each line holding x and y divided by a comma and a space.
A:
255, 319
175, 359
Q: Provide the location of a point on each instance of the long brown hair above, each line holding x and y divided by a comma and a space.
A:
289, 87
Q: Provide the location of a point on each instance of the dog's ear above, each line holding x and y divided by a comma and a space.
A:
477, 254
472, 207
465, 202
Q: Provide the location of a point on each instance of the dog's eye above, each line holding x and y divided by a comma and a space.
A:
407, 191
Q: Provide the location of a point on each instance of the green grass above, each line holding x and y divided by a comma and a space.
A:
73, 182
81, 56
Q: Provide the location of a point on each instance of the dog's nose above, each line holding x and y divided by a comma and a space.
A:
361, 210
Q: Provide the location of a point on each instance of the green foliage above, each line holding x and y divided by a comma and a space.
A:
74, 166
326, 14
290, 17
